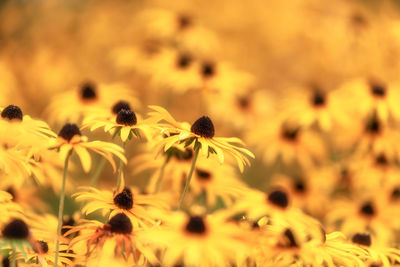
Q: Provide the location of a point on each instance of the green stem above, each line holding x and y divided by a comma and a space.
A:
96, 175
61, 207
196, 153
161, 175
121, 165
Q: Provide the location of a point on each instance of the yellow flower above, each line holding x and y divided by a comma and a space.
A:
199, 241
246, 106
276, 207
134, 205
378, 253
374, 94
284, 245
70, 139
88, 99
124, 240
364, 214
18, 130
314, 105
180, 28
123, 121
201, 133
288, 142
43, 253
217, 182
177, 161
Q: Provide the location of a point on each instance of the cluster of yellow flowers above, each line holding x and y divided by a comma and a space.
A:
121, 160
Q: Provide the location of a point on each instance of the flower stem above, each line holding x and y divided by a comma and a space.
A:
13, 262
96, 175
121, 165
196, 153
61, 208
161, 175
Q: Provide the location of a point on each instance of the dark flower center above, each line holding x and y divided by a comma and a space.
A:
208, 69
290, 241
359, 19
16, 229
120, 105
6, 262
126, 117
367, 209
203, 127
88, 91
120, 224
255, 225
244, 102
68, 131
290, 134
395, 195
373, 125
124, 200
382, 160
68, 221
203, 175
184, 21
278, 198
44, 247
378, 89
300, 186
319, 98
184, 61
12, 192
362, 239
196, 225
12, 112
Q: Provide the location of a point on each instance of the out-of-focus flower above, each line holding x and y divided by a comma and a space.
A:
132, 204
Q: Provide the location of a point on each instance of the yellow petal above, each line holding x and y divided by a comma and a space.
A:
85, 158
125, 133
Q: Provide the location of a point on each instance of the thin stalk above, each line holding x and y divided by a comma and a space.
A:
96, 175
13, 262
121, 166
61, 207
161, 175
196, 153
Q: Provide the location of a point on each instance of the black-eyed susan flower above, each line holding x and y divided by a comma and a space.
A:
374, 94
190, 240
315, 105
170, 168
16, 237
201, 133
289, 142
88, 99
70, 139
19, 130
126, 242
378, 253
125, 122
134, 205
276, 207
365, 214
43, 254
217, 182
201, 136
